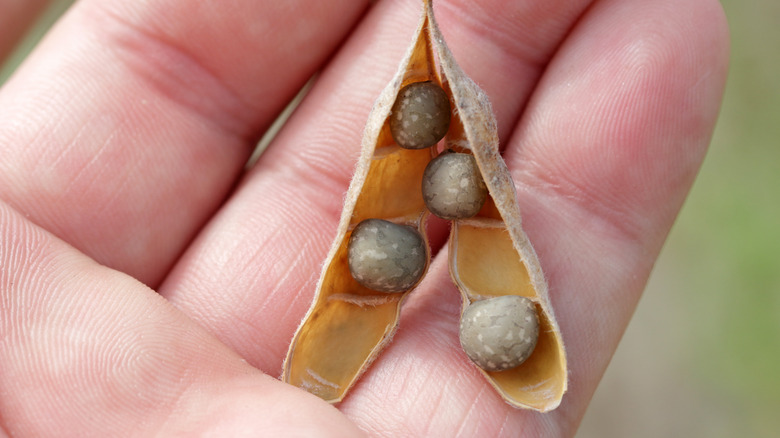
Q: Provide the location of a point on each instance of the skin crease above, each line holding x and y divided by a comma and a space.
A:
124, 138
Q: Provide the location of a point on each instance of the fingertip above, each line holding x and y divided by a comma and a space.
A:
604, 157
623, 116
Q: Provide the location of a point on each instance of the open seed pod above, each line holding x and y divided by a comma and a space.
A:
348, 323
490, 254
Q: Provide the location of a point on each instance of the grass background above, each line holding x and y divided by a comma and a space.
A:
701, 358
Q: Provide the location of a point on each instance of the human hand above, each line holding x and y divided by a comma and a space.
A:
124, 139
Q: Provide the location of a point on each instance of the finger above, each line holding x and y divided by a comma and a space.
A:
128, 126
88, 351
250, 277
16, 19
599, 204
603, 157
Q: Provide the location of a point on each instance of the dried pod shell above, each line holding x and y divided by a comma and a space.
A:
348, 324
489, 254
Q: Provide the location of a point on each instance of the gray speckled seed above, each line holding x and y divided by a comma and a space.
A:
452, 186
499, 333
385, 256
420, 116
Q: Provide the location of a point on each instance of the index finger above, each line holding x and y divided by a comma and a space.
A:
126, 128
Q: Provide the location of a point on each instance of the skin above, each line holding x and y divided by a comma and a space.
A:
149, 285
17, 17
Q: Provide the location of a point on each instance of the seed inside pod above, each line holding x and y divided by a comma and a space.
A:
385, 256
499, 333
452, 186
420, 116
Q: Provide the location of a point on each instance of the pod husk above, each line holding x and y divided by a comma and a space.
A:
348, 324
489, 255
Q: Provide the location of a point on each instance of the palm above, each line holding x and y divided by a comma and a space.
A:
127, 130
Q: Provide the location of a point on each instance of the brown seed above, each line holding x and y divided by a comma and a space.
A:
499, 333
452, 186
385, 256
420, 116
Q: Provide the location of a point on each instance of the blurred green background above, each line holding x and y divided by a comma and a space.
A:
701, 358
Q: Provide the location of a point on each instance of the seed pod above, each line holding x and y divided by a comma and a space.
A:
348, 323
452, 186
499, 333
489, 255
386, 257
420, 115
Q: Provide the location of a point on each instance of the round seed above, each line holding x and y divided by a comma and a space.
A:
452, 186
420, 116
385, 256
499, 333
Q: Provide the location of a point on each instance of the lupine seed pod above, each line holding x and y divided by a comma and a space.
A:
348, 323
490, 255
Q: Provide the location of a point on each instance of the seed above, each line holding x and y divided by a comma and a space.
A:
385, 256
452, 186
499, 333
420, 116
